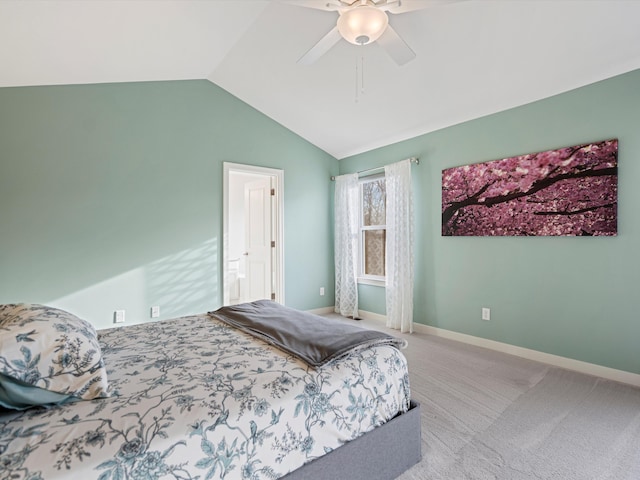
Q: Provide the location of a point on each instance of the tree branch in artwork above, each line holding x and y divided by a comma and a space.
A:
575, 212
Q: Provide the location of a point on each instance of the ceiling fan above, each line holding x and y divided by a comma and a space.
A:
362, 22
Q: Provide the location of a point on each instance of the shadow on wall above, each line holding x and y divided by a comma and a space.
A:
185, 282
182, 283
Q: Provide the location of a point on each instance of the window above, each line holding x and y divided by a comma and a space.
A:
373, 230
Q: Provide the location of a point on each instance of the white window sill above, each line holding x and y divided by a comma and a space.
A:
371, 281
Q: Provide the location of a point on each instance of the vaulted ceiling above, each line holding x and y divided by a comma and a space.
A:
473, 57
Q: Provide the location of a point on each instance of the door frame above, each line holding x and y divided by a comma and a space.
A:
277, 176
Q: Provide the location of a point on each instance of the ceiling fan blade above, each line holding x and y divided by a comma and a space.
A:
326, 5
320, 48
396, 47
404, 6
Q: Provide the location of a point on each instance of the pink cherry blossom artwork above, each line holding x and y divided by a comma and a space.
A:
571, 191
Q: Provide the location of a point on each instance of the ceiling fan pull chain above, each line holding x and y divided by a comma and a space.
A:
357, 91
362, 74
359, 78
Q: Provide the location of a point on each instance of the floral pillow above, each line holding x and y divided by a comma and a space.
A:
48, 356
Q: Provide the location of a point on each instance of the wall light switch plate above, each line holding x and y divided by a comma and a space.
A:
486, 313
118, 316
155, 311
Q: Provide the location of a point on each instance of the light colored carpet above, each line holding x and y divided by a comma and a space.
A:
489, 415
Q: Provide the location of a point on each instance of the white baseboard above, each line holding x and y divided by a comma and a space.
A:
376, 317
548, 358
321, 311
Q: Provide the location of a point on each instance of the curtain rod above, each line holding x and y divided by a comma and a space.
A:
415, 160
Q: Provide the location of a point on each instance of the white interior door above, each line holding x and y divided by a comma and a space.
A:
250, 229
258, 240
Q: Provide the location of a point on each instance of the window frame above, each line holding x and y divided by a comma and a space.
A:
363, 278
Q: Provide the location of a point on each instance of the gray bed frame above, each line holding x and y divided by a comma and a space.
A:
381, 454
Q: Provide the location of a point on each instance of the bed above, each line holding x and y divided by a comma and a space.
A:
198, 397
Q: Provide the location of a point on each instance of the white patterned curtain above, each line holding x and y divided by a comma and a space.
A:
346, 208
399, 255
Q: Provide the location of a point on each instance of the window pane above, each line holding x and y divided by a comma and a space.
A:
374, 252
373, 202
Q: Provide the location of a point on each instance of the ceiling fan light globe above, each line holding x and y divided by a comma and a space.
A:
362, 25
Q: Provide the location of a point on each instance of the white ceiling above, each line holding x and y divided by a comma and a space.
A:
474, 57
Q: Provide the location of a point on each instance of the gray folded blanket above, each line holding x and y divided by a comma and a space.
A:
313, 339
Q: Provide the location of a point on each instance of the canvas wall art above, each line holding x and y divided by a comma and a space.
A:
570, 191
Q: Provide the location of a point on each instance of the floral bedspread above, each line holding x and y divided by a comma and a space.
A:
195, 399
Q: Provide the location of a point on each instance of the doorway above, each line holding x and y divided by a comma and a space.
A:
253, 249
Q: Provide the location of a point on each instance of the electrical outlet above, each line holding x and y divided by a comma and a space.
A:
486, 313
118, 316
321, 291
155, 311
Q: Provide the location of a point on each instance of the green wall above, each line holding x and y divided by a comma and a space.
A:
574, 297
111, 197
